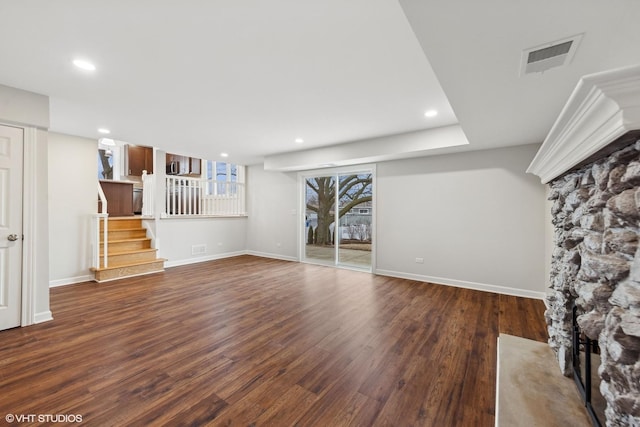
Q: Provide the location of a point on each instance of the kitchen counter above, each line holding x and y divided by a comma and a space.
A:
119, 196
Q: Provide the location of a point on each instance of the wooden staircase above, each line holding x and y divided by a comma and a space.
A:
129, 251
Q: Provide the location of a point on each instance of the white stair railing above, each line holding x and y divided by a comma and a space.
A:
104, 216
196, 197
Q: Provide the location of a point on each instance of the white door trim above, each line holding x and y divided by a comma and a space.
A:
28, 227
32, 235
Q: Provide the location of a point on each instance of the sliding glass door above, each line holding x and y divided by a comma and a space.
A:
338, 226
319, 220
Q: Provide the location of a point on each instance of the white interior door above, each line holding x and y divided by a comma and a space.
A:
11, 143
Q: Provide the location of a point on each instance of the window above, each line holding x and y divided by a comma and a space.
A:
225, 176
105, 164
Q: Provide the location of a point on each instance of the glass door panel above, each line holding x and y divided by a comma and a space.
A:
355, 204
320, 198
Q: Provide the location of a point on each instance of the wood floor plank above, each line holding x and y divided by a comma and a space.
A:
255, 341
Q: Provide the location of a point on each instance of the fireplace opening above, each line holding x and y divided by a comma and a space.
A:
586, 360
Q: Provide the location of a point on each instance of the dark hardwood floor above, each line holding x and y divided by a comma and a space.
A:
253, 341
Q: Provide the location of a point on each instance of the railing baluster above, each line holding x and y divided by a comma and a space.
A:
202, 197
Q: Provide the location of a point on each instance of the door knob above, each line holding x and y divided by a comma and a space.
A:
12, 237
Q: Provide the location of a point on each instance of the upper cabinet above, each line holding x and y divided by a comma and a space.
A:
183, 165
137, 159
194, 165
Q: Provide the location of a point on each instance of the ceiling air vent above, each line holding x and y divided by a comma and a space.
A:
549, 55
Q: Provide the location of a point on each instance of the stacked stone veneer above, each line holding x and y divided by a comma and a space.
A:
596, 262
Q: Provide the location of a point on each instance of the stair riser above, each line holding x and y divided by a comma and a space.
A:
128, 271
125, 234
126, 258
129, 245
122, 223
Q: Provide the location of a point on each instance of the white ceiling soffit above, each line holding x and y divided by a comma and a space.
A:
412, 144
602, 108
555, 54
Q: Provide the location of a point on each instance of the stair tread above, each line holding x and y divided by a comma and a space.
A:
130, 264
124, 217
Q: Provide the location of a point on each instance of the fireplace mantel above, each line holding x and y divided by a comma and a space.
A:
602, 108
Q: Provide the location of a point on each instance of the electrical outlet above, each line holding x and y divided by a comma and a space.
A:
420, 260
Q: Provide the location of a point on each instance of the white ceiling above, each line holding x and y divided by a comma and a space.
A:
475, 48
200, 77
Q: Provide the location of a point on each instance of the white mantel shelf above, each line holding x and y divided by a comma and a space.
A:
602, 108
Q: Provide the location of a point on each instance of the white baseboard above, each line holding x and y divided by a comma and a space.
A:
464, 284
70, 281
169, 264
44, 316
272, 256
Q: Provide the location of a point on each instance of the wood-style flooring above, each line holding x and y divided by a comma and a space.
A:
250, 341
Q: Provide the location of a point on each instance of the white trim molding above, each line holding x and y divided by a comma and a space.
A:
29, 228
464, 284
272, 256
177, 263
71, 281
602, 108
42, 317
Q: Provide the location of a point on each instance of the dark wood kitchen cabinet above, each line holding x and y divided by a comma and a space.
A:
139, 158
183, 165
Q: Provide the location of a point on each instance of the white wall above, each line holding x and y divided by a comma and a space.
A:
73, 194
476, 218
272, 206
21, 107
223, 237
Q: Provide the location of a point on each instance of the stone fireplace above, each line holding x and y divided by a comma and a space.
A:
591, 161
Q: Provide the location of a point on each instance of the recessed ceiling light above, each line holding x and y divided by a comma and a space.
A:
104, 131
299, 140
431, 113
106, 141
85, 65
224, 155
